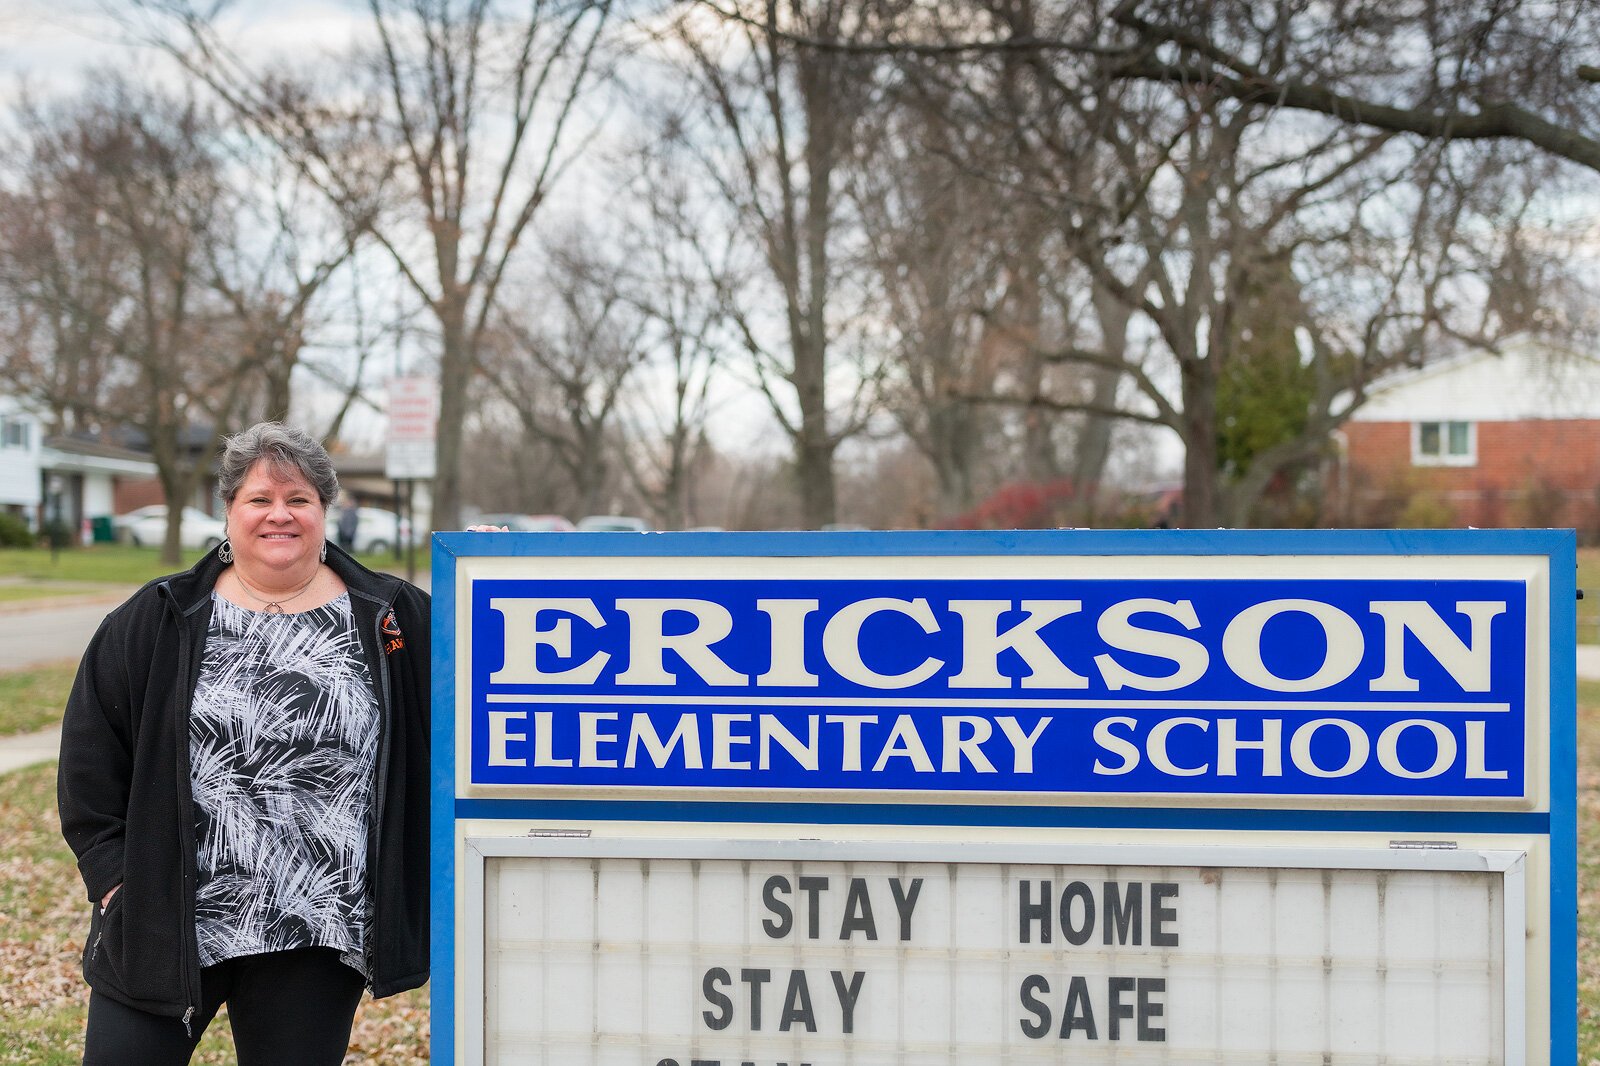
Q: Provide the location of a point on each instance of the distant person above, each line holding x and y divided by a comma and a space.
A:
349, 522
244, 782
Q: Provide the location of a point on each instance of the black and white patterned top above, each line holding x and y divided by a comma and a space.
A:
283, 737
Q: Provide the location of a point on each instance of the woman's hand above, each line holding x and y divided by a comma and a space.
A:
105, 900
488, 529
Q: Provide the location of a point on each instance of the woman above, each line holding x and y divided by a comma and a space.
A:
244, 782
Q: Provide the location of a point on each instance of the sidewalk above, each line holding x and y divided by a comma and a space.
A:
1589, 662
30, 748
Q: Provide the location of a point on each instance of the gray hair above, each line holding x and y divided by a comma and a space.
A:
285, 450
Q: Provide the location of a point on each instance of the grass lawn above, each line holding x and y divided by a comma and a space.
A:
43, 918
103, 564
30, 573
32, 699
1589, 606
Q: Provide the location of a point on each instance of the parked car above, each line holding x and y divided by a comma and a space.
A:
147, 527
526, 523
612, 523
377, 530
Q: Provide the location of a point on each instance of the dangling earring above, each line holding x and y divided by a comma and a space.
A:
225, 551
323, 555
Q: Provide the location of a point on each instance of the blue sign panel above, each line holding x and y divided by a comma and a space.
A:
1227, 686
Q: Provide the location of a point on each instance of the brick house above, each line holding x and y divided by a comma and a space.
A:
1505, 438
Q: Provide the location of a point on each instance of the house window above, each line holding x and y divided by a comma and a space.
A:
1444, 443
13, 433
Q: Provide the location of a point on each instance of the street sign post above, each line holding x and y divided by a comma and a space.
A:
413, 429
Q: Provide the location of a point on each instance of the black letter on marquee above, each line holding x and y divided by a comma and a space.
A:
714, 977
847, 996
797, 1004
755, 979
779, 929
813, 887
1129, 912
1077, 935
858, 912
906, 903
1119, 1010
1079, 1011
1148, 1009
1160, 937
1028, 911
1030, 1003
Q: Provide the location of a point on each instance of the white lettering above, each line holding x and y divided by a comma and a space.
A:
524, 638
788, 664
1444, 748
590, 738
1229, 745
982, 642
1156, 745
648, 641
1241, 645
958, 747
1467, 664
686, 733
1022, 743
904, 742
772, 729
1114, 745
1117, 629
500, 736
544, 729
1475, 755
723, 741
850, 733
841, 642
1300, 748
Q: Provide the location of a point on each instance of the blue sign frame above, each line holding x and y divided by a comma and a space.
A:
1492, 800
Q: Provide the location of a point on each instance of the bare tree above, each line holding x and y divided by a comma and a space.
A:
475, 101
681, 265
940, 240
1181, 202
783, 124
292, 245
1515, 70
563, 371
126, 330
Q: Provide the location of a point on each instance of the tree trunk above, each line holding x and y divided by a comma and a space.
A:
455, 371
814, 461
1200, 473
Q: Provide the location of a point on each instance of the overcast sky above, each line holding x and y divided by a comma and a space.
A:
51, 45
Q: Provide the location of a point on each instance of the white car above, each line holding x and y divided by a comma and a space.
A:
147, 527
377, 530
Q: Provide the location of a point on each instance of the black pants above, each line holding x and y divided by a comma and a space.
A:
286, 1007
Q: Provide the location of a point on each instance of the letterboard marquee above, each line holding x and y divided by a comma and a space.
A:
956, 797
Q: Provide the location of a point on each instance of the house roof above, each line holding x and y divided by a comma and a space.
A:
75, 455
1524, 379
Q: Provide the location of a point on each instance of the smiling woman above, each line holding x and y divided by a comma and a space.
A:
271, 854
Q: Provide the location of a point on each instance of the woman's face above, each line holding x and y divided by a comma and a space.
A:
275, 519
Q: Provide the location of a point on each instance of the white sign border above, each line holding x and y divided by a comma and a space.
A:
1532, 570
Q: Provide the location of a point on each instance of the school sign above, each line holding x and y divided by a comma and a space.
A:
960, 797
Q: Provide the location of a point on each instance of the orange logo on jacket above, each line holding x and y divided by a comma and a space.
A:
391, 629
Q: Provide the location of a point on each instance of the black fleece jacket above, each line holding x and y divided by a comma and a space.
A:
128, 813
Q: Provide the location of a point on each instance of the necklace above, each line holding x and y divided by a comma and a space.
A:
274, 606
